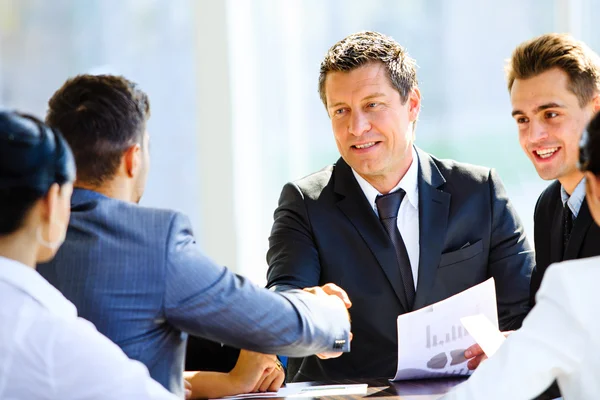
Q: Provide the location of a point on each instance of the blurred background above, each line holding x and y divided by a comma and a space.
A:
233, 90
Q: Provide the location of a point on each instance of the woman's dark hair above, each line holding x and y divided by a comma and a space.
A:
32, 158
589, 147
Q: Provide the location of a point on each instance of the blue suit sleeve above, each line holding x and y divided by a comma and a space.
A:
207, 300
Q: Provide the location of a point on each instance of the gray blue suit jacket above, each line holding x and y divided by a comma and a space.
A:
140, 277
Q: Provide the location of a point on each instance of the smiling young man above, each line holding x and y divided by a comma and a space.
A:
395, 227
554, 85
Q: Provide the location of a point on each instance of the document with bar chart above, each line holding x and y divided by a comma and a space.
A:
432, 340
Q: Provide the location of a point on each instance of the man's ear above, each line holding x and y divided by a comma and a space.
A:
132, 159
414, 104
596, 103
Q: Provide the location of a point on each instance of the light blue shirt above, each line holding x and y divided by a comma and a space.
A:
576, 199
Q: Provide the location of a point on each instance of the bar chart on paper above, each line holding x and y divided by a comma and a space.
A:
432, 341
457, 333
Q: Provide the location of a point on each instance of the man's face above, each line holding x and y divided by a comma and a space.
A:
371, 126
550, 122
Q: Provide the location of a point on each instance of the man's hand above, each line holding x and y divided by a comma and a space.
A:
331, 290
256, 372
475, 354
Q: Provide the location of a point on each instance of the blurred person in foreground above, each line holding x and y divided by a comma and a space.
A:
560, 338
46, 351
138, 274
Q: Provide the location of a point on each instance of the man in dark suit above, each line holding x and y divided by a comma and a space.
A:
554, 85
395, 227
138, 274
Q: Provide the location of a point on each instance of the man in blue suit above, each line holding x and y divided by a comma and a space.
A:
138, 274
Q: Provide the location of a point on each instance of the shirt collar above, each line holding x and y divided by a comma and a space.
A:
576, 199
408, 183
28, 280
84, 195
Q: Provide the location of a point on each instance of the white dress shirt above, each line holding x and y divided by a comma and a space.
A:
408, 214
560, 339
47, 352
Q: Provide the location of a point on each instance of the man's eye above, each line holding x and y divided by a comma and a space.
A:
339, 111
551, 114
522, 120
371, 105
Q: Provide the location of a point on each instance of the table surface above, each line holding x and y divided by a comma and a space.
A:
429, 389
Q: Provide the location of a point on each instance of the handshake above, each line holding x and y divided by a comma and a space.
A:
256, 372
331, 293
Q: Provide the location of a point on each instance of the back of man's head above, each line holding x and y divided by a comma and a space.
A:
362, 48
100, 117
562, 51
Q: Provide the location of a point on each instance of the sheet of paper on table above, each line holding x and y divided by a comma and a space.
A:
301, 390
432, 340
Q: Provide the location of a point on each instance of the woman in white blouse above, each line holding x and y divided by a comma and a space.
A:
560, 338
46, 351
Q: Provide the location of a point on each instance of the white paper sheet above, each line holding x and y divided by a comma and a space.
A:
432, 340
292, 390
302, 390
483, 331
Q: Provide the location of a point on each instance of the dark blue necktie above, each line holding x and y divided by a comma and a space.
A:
387, 207
567, 226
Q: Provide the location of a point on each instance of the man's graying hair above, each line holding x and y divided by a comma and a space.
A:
362, 48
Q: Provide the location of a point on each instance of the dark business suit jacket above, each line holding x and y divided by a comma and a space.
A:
205, 355
138, 274
325, 231
548, 235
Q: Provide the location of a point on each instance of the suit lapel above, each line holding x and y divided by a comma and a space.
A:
357, 209
581, 225
434, 206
